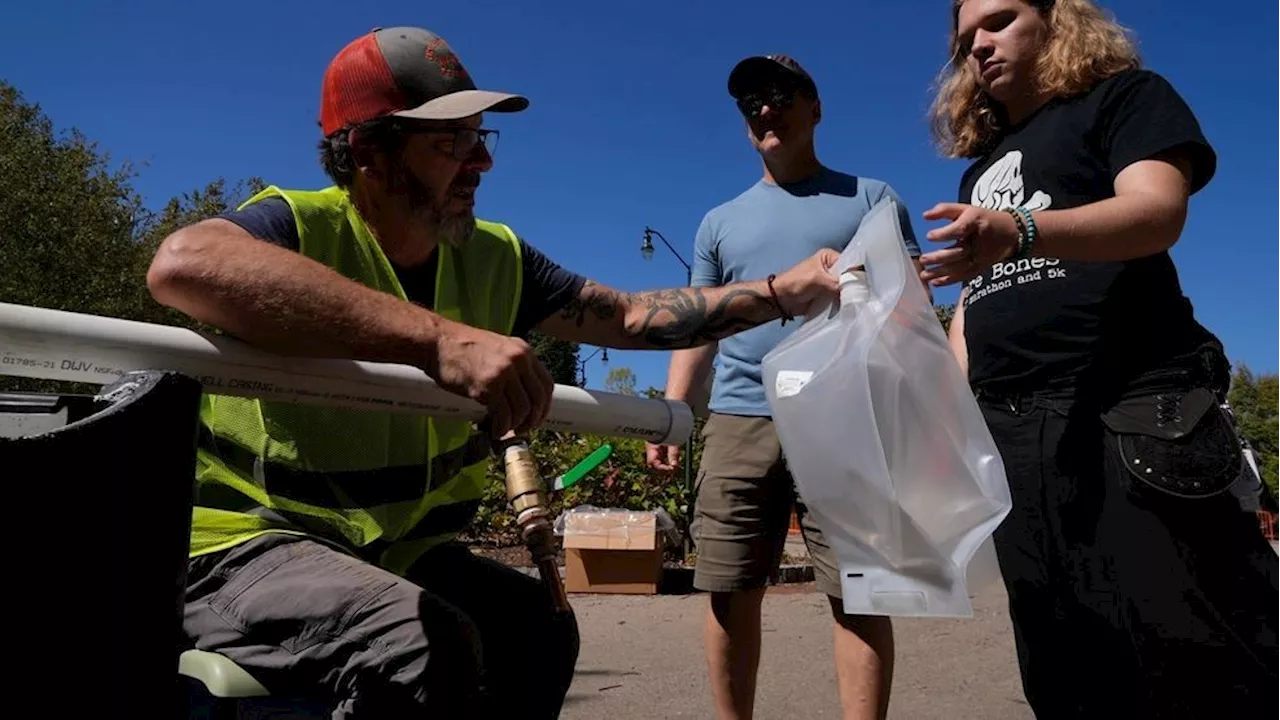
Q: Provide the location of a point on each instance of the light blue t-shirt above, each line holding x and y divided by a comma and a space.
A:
768, 229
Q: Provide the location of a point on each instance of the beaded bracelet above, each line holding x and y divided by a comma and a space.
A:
1021, 224
1027, 231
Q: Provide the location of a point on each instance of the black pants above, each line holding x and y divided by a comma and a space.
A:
1127, 601
464, 637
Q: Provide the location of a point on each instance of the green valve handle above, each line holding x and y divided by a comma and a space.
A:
579, 471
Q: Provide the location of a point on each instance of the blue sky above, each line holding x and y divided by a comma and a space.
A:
630, 124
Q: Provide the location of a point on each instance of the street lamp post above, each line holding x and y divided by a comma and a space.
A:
582, 364
647, 250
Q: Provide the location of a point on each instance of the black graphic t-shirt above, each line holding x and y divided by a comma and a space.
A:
545, 290
1049, 324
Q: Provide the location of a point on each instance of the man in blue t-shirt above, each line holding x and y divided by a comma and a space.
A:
744, 493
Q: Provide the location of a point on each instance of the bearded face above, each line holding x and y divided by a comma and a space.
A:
447, 214
423, 187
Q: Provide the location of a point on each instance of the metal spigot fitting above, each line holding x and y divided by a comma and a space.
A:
527, 495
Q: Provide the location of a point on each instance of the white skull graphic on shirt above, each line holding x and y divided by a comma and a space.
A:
1000, 187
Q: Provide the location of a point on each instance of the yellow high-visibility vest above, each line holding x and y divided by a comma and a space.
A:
386, 485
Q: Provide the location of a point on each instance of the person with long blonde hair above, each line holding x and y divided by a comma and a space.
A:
1138, 587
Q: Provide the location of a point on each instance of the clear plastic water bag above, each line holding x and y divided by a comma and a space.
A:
887, 445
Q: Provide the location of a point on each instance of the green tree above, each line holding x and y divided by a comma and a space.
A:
559, 356
74, 234
67, 219
621, 381
196, 205
1254, 402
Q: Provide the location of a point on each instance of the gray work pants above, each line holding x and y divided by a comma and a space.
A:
462, 636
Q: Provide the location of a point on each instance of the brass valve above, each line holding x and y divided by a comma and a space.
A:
525, 490
527, 495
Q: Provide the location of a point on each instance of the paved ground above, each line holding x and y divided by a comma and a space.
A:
642, 658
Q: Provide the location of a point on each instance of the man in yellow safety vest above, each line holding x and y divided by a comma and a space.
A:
323, 551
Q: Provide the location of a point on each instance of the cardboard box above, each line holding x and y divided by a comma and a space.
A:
612, 551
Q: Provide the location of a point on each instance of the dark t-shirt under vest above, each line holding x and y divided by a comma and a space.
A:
1046, 324
546, 289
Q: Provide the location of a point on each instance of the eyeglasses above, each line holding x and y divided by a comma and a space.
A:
778, 96
465, 140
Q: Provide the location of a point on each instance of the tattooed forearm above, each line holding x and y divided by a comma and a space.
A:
593, 302
662, 319
688, 317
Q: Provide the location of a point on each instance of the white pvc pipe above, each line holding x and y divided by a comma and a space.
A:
59, 345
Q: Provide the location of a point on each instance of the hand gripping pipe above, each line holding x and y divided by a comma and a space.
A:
58, 345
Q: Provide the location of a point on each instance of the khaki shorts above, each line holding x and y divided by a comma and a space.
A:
744, 494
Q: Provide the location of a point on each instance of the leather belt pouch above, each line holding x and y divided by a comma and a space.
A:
1180, 442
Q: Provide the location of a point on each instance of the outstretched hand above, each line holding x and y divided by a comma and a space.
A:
980, 238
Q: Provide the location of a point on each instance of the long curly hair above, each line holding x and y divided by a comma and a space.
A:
1085, 46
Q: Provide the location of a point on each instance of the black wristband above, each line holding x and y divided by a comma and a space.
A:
777, 303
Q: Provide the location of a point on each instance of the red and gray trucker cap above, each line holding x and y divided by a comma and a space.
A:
407, 72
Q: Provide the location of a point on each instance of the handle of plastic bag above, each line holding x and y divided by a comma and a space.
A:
885, 260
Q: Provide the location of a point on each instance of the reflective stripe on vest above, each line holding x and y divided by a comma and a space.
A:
381, 484
341, 488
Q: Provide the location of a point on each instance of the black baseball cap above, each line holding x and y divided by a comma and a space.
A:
748, 73
403, 71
